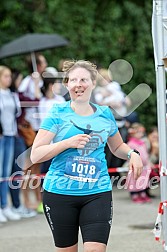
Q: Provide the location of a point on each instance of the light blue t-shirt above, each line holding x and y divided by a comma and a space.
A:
79, 171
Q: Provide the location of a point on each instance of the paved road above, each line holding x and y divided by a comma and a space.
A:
131, 230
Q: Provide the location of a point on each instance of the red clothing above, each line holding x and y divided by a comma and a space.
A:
30, 103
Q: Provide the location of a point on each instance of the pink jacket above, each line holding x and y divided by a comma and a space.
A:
140, 145
142, 182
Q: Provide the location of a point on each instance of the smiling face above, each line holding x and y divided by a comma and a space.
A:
80, 84
139, 132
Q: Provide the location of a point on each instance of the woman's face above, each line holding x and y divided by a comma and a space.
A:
43, 64
80, 84
139, 133
153, 136
5, 79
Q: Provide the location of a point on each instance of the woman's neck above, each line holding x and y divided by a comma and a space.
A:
83, 108
49, 94
4, 88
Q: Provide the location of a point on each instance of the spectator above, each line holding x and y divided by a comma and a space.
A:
138, 188
153, 145
64, 91
9, 110
31, 87
132, 118
108, 92
153, 150
20, 147
51, 90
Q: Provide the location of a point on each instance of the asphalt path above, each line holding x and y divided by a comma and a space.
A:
131, 230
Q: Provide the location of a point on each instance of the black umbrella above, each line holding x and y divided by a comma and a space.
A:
31, 43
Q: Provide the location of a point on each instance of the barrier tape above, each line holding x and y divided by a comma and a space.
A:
118, 169
162, 169
126, 169
35, 176
164, 246
23, 177
158, 223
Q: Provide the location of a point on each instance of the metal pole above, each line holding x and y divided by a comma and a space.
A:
161, 107
34, 64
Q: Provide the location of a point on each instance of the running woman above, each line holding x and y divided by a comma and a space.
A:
77, 187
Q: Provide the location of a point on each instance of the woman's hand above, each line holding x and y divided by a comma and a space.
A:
36, 79
42, 150
135, 165
120, 150
78, 141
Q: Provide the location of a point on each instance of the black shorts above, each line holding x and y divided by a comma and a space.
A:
65, 214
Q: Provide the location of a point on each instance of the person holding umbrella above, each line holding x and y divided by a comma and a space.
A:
31, 87
77, 188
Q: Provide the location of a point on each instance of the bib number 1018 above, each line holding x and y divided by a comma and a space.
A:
84, 169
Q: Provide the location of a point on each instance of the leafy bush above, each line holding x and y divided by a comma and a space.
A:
101, 31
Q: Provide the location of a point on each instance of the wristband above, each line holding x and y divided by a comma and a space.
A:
129, 153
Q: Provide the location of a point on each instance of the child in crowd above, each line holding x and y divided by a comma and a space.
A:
138, 188
153, 145
51, 91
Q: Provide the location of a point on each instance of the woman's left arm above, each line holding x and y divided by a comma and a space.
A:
121, 149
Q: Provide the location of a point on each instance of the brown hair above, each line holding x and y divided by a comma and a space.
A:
135, 127
29, 62
105, 74
152, 129
70, 65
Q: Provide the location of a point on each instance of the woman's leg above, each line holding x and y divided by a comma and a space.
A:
19, 148
95, 221
7, 167
73, 248
94, 247
62, 214
25, 185
2, 143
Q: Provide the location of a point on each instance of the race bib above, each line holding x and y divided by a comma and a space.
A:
82, 168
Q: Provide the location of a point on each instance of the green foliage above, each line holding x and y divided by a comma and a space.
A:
101, 31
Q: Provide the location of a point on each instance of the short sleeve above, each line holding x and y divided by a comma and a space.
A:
51, 121
113, 126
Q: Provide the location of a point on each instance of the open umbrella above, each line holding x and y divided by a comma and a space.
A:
31, 43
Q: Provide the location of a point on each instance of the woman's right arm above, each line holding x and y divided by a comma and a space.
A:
43, 150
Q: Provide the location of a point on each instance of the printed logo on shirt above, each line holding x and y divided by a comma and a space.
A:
97, 138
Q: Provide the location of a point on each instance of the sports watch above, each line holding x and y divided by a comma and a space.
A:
134, 150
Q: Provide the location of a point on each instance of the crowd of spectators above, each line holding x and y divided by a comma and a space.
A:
24, 103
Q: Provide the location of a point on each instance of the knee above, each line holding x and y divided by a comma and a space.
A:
94, 247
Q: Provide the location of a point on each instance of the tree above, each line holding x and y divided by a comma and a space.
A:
100, 31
